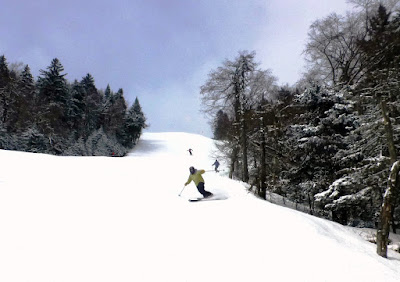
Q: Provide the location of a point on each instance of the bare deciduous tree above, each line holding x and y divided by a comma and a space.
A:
235, 88
332, 51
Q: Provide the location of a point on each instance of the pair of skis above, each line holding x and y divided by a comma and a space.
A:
214, 197
211, 198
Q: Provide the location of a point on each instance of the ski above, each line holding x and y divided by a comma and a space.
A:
212, 198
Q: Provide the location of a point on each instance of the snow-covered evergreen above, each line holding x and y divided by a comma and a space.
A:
56, 117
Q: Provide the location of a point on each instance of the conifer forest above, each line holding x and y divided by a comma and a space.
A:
52, 115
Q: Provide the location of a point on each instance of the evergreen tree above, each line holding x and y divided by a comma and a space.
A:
4, 92
108, 103
93, 105
114, 114
26, 99
4, 72
53, 98
34, 141
77, 115
107, 93
222, 126
13, 103
382, 47
379, 107
135, 122
316, 136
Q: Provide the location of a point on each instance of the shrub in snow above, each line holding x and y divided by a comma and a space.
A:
6, 141
100, 144
34, 141
348, 204
77, 148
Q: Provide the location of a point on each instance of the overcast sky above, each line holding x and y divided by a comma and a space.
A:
160, 51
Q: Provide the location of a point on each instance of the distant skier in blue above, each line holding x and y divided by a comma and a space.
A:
216, 163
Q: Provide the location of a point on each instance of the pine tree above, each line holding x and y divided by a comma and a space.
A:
114, 115
381, 87
4, 72
27, 98
135, 122
107, 93
93, 104
77, 114
108, 103
316, 137
4, 92
13, 104
380, 90
222, 125
34, 141
53, 100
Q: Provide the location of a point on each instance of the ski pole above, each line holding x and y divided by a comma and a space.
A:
182, 190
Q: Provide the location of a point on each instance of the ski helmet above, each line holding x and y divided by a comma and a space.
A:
192, 170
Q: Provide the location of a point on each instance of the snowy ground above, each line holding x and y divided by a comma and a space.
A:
120, 219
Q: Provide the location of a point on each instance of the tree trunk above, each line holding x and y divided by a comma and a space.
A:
389, 133
239, 89
263, 172
231, 169
240, 120
244, 150
310, 203
233, 161
392, 150
389, 197
382, 236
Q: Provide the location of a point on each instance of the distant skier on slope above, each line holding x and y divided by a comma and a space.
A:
190, 151
198, 180
216, 163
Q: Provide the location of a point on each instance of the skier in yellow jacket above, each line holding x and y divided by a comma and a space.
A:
198, 180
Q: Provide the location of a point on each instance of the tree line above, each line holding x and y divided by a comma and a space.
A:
329, 141
52, 115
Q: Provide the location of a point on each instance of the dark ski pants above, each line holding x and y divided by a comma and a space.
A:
202, 191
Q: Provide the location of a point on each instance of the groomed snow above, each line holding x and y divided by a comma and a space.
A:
120, 219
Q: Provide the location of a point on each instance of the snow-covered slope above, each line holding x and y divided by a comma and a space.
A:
120, 219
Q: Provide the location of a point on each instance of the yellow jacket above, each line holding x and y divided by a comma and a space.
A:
196, 177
